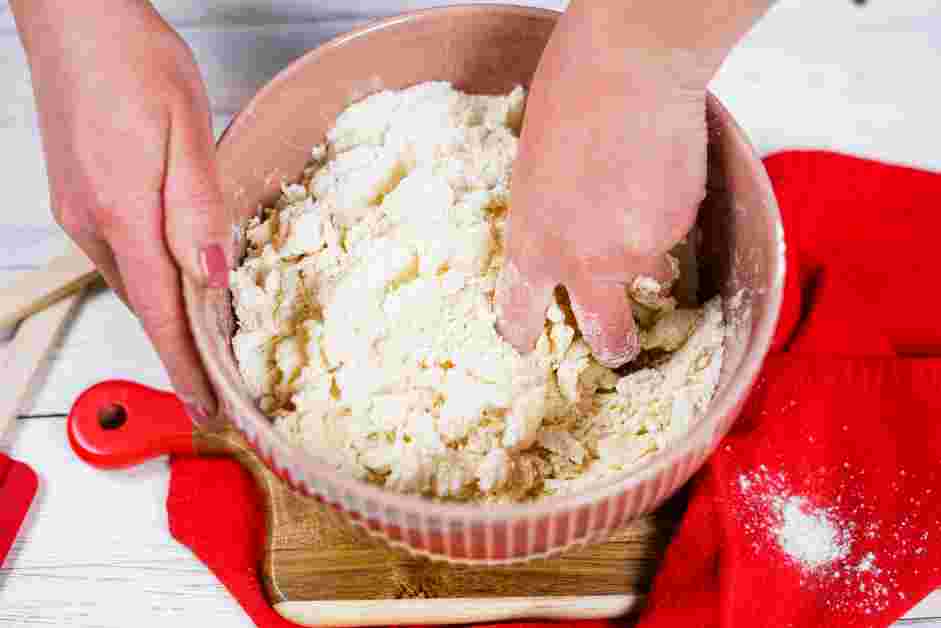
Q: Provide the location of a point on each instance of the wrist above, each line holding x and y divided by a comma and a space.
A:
683, 47
39, 20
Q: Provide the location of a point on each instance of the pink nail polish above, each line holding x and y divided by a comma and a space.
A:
197, 414
215, 266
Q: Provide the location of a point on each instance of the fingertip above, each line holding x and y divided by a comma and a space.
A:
521, 303
158, 305
201, 408
520, 334
606, 321
185, 370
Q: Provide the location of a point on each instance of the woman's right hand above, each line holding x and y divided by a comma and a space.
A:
129, 148
612, 163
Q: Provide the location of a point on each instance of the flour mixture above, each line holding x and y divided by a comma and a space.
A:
367, 324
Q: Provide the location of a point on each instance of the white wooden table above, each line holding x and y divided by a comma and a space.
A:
96, 551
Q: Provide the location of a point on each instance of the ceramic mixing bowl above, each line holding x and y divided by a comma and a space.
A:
485, 49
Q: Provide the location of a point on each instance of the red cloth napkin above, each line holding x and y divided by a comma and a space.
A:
846, 416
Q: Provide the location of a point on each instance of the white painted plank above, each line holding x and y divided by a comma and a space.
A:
120, 516
928, 608
29, 236
835, 76
826, 75
96, 551
24, 246
105, 341
129, 537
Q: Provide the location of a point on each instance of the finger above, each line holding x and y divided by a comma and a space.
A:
198, 227
604, 317
521, 303
153, 284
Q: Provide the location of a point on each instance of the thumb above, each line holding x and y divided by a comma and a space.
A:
198, 225
604, 317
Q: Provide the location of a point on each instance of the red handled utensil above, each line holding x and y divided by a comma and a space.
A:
117, 424
18, 486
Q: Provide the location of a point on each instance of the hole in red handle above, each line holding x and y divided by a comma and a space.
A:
112, 416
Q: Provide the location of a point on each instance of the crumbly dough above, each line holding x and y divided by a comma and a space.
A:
367, 324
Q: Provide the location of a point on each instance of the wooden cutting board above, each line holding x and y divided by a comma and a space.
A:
319, 570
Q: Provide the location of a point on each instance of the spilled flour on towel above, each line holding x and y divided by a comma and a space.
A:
809, 536
834, 548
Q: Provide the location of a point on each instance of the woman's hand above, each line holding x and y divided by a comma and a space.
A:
611, 168
130, 155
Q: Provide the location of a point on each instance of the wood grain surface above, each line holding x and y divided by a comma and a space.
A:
313, 554
28, 355
39, 289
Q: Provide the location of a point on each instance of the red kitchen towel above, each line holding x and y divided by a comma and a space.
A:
820, 508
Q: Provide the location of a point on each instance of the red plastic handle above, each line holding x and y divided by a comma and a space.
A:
118, 424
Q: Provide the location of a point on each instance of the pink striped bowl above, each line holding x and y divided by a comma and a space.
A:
485, 49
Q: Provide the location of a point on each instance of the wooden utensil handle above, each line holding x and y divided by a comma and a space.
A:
27, 355
441, 611
118, 424
35, 290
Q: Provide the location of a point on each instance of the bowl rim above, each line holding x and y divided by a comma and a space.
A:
472, 514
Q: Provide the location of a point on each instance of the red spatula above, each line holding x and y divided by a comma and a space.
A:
18, 484
26, 356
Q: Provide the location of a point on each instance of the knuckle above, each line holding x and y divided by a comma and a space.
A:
655, 235
189, 97
195, 219
537, 259
177, 58
98, 216
182, 47
649, 243
605, 261
202, 203
112, 221
72, 222
185, 92
181, 90
117, 218
184, 56
109, 217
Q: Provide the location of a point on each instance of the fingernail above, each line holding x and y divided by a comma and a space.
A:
196, 412
215, 266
